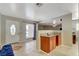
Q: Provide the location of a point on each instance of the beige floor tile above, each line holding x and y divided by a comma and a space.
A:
29, 49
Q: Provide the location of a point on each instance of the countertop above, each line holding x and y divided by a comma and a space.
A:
48, 34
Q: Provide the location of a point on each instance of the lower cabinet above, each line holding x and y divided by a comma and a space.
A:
45, 44
74, 39
49, 43
58, 40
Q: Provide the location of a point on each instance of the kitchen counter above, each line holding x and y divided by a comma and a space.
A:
48, 34
49, 41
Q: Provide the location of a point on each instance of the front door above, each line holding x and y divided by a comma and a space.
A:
12, 31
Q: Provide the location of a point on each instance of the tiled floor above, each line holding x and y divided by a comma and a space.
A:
66, 51
29, 49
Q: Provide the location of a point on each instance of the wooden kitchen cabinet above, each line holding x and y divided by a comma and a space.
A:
58, 40
47, 43
74, 39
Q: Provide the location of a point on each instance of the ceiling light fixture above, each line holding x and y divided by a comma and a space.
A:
54, 23
39, 4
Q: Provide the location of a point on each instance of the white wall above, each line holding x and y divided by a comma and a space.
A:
0, 29
74, 22
12, 38
5, 35
67, 29
78, 38
3, 30
20, 31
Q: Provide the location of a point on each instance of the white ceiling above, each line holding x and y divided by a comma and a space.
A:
45, 13
30, 11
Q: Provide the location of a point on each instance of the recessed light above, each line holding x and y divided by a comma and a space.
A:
39, 4
54, 21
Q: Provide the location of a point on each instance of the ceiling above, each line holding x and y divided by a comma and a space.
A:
45, 13
30, 11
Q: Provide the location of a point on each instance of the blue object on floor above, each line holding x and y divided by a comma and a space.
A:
7, 50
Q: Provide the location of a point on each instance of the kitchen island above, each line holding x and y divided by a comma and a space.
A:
48, 42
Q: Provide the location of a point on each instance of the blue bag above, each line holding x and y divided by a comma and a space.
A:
7, 50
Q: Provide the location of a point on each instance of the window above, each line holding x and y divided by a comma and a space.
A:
27, 27
12, 29
29, 31
77, 26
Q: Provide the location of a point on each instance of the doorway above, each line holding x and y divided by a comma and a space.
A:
12, 31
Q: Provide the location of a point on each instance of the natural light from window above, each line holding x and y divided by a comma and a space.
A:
77, 26
13, 29
27, 27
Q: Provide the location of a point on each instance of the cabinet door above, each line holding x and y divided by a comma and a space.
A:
45, 44
58, 40
52, 43
74, 39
